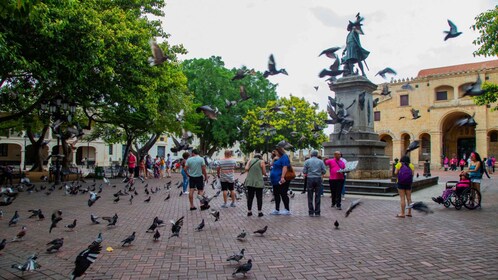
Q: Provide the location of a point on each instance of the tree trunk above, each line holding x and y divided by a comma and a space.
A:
37, 148
67, 151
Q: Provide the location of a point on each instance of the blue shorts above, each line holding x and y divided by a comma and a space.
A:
404, 187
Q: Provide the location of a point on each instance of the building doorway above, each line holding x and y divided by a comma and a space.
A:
465, 146
459, 140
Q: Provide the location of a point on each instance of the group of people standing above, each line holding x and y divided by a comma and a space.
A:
453, 163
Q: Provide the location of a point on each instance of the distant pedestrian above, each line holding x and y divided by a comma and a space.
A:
462, 164
162, 167
453, 163
184, 174
494, 162
149, 164
132, 163
314, 169
446, 163
489, 165
168, 162
336, 178
195, 169
225, 172
280, 185
254, 182
404, 171
142, 170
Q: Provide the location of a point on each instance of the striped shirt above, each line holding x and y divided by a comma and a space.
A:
227, 166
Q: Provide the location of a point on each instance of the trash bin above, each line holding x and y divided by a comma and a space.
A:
99, 172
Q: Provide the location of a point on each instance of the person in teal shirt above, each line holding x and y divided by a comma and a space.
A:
195, 169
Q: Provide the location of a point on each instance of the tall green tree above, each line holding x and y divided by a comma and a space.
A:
93, 53
291, 119
487, 26
210, 83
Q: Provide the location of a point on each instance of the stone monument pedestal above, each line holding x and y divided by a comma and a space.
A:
361, 143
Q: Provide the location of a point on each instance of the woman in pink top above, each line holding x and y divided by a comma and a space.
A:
132, 163
336, 179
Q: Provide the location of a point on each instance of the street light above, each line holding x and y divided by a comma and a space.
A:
61, 111
25, 136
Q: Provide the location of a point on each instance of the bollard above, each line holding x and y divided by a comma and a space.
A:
394, 178
427, 168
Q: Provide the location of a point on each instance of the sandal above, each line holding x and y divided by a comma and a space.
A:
399, 216
409, 215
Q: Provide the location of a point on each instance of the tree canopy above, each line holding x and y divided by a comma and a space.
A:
209, 81
293, 119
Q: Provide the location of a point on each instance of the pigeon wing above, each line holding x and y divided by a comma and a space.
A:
271, 64
453, 27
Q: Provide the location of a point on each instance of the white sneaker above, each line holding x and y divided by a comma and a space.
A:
185, 193
285, 212
275, 212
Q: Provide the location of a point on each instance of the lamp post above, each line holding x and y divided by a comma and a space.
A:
268, 132
61, 111
24, 165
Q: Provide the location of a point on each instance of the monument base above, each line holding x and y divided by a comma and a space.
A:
366, 149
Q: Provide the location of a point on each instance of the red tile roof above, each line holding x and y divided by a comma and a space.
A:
458, 68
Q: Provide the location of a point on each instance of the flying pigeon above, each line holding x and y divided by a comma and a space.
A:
453, 31
243, 94
204, 200
385, 71
157, 235
242, 236
230, 103
474, 89
159, 222
262, 231
180, 115
385, 90
208, 111
158, 56
13, 221
94, 219
243, 268
152, 227
216, 215
421, 207
330, 52
176, 227
467, 121
242, 73
200, 226
93, 197
86, 257
352, 206
413, 146
31, 264
236, 257
56, 244
128, 240
415, 114
56, 218
272, 68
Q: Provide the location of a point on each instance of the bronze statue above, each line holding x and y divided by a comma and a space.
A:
354, 53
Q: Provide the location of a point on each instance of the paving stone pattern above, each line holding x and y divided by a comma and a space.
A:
370, 244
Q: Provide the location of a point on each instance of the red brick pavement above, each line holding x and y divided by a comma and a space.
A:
370, 244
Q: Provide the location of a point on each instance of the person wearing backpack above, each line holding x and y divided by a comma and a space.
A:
404, 171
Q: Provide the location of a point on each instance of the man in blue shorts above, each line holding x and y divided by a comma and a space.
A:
195, 169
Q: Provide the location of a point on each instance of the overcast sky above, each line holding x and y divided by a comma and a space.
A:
405, 35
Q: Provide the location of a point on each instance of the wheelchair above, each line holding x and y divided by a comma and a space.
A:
467, 197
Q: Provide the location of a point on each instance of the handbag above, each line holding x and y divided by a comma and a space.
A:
290, 174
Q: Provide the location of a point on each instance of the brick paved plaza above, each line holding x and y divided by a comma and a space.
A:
370, 244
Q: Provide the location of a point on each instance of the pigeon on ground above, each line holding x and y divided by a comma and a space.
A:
421, 207
352, 206
86, 257
147, 200
34, 213
242, 235
243, 268
158, 56
131, 199
176, 227
56, 218
262, 231
20, 235
159, 222
128, 240
157, 235
236, 257
31, 264
56, 244
385, 71
208, 111
336, 224
200, 226
94, 219
2, 244
418, 175
272, 68
13, 221
72, 226
116, 200
453, 31
216, 215
204, 200
168, 197
93, 197
112, 220
474, 89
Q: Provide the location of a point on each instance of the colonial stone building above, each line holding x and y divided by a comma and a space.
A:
437, 95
